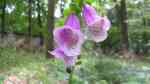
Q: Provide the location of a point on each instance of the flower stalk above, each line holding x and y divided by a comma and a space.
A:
70, 70
71, 77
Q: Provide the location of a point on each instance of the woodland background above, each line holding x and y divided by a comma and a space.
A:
26, 28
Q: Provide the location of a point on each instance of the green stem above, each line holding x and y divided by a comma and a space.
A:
70, 81
71, 77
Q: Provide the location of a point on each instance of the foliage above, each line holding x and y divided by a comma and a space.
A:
113, 40
95, 68
33, 67
140, 41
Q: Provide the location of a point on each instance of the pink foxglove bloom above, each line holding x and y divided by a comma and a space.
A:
97, 26
59, 54
68, 39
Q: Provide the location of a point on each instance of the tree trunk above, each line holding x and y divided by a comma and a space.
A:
29, 18
39, 13
40, 22
124, 25
121, 14
51, 7
3, 19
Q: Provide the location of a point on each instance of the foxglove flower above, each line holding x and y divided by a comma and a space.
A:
97, 26
68, 39
59, 54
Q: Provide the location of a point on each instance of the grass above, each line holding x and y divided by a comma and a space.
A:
96, 68
30, 66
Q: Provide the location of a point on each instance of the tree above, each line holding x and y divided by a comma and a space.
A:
51, 7
121, 12
124, 25
29, 18
39, 19
39, 13
3, 18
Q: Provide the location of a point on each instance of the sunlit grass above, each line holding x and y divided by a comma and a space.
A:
95, 68
33, 67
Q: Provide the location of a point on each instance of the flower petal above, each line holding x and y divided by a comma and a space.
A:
73, 21
89, 13
97, 36
65, 36
69, 61
105, 23
97, 30
59, 54
100, 23
69, 39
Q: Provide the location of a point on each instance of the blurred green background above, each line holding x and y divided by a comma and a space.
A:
26, 35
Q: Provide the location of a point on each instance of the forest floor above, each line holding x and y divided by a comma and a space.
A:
95, 68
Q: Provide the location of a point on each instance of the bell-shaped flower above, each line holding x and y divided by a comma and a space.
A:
97, 26
73, 21
69, 37
59, 54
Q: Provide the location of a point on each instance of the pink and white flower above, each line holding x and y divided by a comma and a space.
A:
69, 40
97, 26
